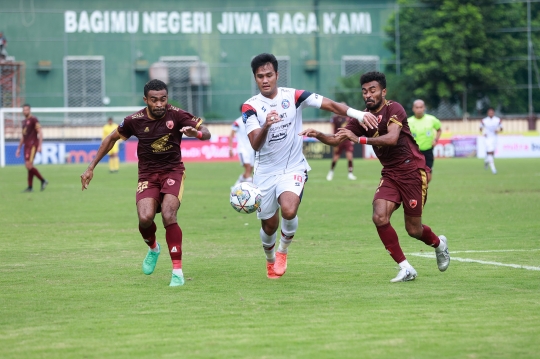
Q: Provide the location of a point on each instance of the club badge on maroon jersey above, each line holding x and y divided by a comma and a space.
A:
170, 125
413, 203
170, 181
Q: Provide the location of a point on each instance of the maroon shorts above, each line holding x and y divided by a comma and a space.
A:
409, 188
29, 153
345, 146
157, 185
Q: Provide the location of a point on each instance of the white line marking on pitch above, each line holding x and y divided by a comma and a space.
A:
498, 250
431, 255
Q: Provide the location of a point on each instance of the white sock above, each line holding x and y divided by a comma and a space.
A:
288, 229
269, 243
404, 264
178, 272
155, 250
491, 161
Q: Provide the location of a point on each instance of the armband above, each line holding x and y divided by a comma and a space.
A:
359, 115
199, 135
362, 140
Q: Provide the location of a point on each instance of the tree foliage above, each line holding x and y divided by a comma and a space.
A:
452, 46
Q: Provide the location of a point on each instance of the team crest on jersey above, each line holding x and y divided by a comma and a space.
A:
285, 104
170, 125
170, 181
413, 203
146, 129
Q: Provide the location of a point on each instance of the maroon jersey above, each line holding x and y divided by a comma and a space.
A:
30, 127
405, 155
339, 122
159, 140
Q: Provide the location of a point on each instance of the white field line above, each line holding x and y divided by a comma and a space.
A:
498, 250
432, 255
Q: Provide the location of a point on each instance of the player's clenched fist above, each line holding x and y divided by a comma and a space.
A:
272, 118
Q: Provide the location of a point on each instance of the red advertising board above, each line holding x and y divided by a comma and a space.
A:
217, 149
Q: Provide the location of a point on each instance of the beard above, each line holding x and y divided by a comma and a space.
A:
373, 105
157, 113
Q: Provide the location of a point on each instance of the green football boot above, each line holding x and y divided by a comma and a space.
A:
150, 261
176, 280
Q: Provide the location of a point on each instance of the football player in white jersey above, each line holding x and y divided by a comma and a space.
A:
273, 120
243, 148
490, 126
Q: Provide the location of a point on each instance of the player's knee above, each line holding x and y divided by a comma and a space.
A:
288, 213
145, 219
380, 219
414, 231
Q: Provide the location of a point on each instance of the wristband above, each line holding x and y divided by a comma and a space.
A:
199, 135
359, 115
362, 140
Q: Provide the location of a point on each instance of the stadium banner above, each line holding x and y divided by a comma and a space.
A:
456, 146
60, 153
193, 150
512, 147
314, 149
464, 146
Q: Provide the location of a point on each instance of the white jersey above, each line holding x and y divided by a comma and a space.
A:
490, 126
242, 140
281, 151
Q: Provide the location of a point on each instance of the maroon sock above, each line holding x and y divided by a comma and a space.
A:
350, 166
149, 234
30, 178
333, 165
37, 174
429, 238
173, 234
389, 237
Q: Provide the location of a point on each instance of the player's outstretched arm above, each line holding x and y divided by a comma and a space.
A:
330, 140
366, 119
390, 139
104, 148
202, 133
257, 137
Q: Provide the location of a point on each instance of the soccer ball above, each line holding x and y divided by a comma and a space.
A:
245, 197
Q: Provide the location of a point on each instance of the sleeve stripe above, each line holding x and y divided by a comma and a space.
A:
300, 96
394, 120
199, 123
247, 112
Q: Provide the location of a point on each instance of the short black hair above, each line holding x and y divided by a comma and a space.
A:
155, 85
373, 76
263, 59
26, 105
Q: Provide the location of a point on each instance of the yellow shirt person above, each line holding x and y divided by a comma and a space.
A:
114, 161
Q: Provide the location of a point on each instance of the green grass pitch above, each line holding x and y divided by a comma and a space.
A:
71, 284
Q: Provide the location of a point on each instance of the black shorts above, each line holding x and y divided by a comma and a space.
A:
428, 154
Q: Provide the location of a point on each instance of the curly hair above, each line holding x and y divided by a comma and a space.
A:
155, 85
373, 76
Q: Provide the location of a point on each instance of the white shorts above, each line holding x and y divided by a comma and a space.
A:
491, 143
273, 186
246, 156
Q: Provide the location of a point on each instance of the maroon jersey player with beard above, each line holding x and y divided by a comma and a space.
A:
159, 128
404, 170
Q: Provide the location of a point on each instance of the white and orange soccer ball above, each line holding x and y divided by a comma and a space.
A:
246, 197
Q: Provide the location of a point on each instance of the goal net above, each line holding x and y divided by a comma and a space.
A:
70, 134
